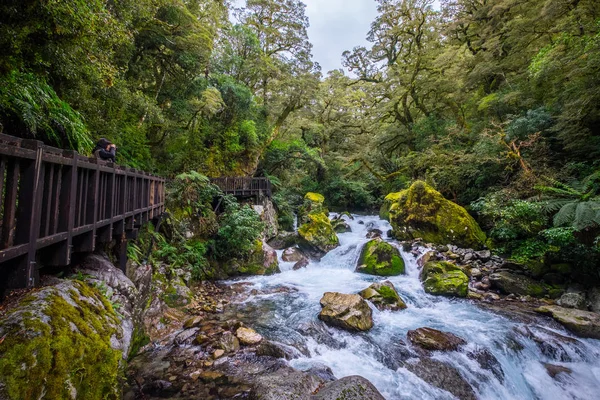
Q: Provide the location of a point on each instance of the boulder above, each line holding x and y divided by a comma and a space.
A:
384, 296
317, 236
432, 339
573, 300
348, 388
347, 311
301, 264
292, 254
263, 261
61, 342
422, 212
582, 323
510, 283
443, 376
380, 258
268, 215
313, 204
374, 233
445, 279
340, 226
248, 336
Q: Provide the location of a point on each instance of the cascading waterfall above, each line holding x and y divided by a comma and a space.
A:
290, 317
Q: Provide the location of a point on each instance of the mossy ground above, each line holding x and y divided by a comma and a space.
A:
61, 348
422, 212
380, 258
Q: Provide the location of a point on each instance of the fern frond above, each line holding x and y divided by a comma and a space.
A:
565, 215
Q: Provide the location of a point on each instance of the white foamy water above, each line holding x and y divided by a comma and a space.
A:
291, 318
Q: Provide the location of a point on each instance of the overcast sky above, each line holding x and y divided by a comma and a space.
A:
336, 26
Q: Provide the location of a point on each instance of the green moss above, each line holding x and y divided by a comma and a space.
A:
138, 340
380, 258
313, 204
388, 294
318, 232
390, 199
445, 279
69, 349
422, 212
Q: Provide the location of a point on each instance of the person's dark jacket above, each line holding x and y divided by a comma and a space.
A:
101, 152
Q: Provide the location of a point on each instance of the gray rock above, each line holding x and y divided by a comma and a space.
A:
346, 311
432, 339
475, 273
484, 255
349, 388
268, 215
443, 376
283, 240
292, 254
510, 283
301, 264
573, 300
582, 323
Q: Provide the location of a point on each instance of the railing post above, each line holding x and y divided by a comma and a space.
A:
29, 216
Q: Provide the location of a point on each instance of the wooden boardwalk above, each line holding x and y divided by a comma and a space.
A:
244, 186
54, 203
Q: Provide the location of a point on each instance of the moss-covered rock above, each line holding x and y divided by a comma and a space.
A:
390, 199
444, 279
61, 342
582, 323
380, 258
384, 296
313, 204
317, 236
422, 212
262, 261
509, 283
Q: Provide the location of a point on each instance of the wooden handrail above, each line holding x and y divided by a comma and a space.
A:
246, 186
56, 202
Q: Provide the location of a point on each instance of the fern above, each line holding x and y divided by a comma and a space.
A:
576, 205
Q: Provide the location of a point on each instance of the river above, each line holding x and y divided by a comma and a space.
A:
521, 348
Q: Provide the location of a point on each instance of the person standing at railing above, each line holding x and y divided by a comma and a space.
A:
105, 150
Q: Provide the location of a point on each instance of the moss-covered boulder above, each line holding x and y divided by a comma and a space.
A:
521, 285
61, 342
347, 311
380, 258
313, 204
317, 236
444, 279
384, 296
262, 261
422, 212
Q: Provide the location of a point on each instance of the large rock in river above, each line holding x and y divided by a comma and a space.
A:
348, 388
384, 296
317, 236
445, 279
61, 342
422, 212
263, 261
313, 204
432, 339
380, 258
346, 311
582, 323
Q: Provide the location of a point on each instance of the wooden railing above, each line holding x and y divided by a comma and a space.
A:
54, 203
244, 186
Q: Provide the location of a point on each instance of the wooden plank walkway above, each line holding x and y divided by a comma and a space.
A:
54, 203
244, 186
